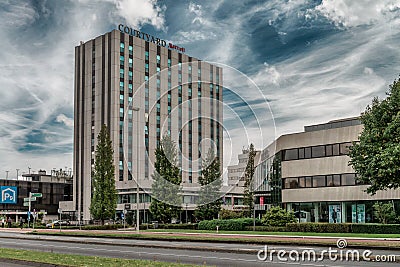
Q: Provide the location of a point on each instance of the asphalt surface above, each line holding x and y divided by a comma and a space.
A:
217, 254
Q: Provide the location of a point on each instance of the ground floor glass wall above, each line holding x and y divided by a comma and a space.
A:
337, 212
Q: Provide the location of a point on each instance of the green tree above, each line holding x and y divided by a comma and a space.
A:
166, 187
376, 157
276, 216
209, 203
384, 212
104, 199
248, 195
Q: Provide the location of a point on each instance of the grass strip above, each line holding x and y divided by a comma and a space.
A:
78, 260
233, 239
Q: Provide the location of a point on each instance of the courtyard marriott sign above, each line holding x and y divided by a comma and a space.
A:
148, 38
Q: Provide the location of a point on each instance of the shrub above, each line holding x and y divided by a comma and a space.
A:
384, 212
230, 214
319, 227
227, 225
276, 216
103, 227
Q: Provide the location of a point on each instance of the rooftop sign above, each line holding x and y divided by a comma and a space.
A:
149, 38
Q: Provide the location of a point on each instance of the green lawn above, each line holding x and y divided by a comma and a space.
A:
77, 260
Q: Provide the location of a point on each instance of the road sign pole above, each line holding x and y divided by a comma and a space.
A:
30, 205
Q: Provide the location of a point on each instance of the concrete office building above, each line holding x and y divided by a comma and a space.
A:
233, 199
142, 87
308, 172
55, 187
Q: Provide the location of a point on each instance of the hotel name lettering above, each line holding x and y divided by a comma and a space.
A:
149, 38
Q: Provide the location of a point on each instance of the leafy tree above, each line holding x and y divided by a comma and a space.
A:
209, 203
248, 196
384, 212
104, 199
276, 216
166, 198
376, 157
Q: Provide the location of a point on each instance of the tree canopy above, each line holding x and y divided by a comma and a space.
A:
104, 200
248, 198
209, 203
376, 157
166, 198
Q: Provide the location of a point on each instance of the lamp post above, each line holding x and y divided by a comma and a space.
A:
186, 213
137, 167
17, 172
7, 174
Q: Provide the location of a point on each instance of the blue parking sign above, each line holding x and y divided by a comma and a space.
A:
9, 194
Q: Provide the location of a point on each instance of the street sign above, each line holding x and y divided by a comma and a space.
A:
26, 199
26, 204
36, 194
122, 216
59, 211
127, 206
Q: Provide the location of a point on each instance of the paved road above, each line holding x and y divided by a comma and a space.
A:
167, 251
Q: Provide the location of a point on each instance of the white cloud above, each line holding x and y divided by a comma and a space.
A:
139, 12
64, 119
349, 13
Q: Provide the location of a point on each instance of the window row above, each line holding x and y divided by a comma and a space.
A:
316, 151
344, 179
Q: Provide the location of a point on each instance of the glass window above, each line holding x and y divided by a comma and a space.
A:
307, 152
308, 181
319, 181
335, 150
348, 179
329, 150
333, 180
121, 58
291, 154
318, 151
291, 183
301, 153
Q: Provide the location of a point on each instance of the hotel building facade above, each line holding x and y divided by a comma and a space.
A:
308, 172
142, 88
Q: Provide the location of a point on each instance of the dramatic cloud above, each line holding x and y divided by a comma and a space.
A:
313, 60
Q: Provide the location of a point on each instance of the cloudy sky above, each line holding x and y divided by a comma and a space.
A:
313, 61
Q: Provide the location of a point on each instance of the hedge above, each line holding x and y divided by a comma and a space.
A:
264, 228
226, 225
319, 227
103, 227
376, 228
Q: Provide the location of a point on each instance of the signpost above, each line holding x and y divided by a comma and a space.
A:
59, 222
28, 202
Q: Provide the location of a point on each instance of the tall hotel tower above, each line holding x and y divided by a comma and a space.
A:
142, 87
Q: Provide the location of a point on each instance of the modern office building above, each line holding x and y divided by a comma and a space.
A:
308, 172
54, 187
142, 87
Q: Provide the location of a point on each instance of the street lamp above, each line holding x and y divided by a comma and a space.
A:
186, 213
137, 167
